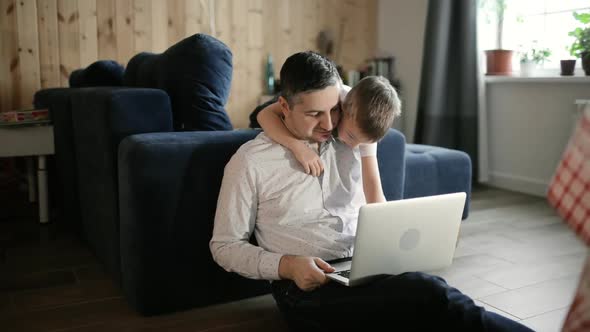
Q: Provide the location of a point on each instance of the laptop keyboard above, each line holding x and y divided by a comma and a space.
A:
345, 273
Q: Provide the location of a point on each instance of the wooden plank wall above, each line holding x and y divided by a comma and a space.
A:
43, 41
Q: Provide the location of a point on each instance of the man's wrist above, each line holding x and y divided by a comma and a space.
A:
285, 267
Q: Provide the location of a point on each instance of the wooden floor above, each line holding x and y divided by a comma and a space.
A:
515, 257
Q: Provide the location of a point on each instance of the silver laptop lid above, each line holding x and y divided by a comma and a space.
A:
417, 234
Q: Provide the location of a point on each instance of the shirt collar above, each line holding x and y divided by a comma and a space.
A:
326, 144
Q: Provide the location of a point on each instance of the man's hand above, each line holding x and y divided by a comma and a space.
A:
308, 273
308, 158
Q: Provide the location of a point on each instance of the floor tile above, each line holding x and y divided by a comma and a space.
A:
548, 322
537, 299
472, 264
496, 310
518, 276
523, 253
474, 287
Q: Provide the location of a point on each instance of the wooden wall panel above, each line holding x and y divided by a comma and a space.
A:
106, 28
208, 18
124, 25
239, 46
88, 32
74, 33
28, 50
283, 32
9, 64
191, 18
254, 62
223, 21
185, 18
48, 43
69, 38
159, 26
142, 27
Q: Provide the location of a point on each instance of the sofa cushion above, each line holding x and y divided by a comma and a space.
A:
196, 73
99, 73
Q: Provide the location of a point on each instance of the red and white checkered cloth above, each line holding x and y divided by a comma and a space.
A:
578, 316
569, 189
569, 194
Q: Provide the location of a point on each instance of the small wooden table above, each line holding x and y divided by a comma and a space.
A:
31, 141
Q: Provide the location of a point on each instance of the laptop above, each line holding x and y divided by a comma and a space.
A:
409, 235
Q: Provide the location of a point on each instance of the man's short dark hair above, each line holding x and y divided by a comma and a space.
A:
306, 72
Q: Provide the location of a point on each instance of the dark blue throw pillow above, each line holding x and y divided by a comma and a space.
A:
99, 73
196, 73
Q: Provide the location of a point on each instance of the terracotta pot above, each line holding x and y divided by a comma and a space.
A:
567, 67
586, 62
499, 62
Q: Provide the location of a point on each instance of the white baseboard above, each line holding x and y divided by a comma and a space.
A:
518, 183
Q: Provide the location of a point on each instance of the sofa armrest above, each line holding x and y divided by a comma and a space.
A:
101, 118
432, 170
391, 156
168, 184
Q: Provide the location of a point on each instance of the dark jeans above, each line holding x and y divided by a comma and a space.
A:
406, 302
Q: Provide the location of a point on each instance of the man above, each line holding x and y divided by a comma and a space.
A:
301, 222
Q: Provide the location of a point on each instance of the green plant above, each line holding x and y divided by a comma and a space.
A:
581, 35
535, 55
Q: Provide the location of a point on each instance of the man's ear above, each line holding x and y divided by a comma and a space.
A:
285, 109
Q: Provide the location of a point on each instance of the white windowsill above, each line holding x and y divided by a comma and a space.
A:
537, 79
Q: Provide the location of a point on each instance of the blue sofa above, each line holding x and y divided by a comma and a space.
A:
141, 172
184, 88
168, 187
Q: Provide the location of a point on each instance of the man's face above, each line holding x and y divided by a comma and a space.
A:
310, 118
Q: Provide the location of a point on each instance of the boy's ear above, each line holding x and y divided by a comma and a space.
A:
284, 106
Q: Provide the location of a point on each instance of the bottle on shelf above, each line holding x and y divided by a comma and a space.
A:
270, 76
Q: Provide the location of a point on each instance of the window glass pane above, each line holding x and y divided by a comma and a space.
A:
556, 38
526, 7
553, 6
486, 33
522, 33
533, 23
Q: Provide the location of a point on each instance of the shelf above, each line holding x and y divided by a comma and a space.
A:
537, 79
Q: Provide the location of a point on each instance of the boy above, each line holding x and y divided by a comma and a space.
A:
363, 117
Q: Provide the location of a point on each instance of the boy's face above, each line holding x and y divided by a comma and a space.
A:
349, 131
310, 118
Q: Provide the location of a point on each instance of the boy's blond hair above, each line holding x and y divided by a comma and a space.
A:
373, 103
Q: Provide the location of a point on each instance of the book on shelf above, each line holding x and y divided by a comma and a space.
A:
24, 117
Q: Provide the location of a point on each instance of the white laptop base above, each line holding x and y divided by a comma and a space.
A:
417, 234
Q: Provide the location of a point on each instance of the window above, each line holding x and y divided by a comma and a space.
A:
543, 23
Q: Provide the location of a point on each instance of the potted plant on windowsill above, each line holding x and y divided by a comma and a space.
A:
568, 65
499, 60
581, 45
532, 58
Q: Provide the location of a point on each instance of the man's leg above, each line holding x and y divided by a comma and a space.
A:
410, 301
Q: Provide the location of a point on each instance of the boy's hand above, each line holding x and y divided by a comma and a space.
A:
309, 159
